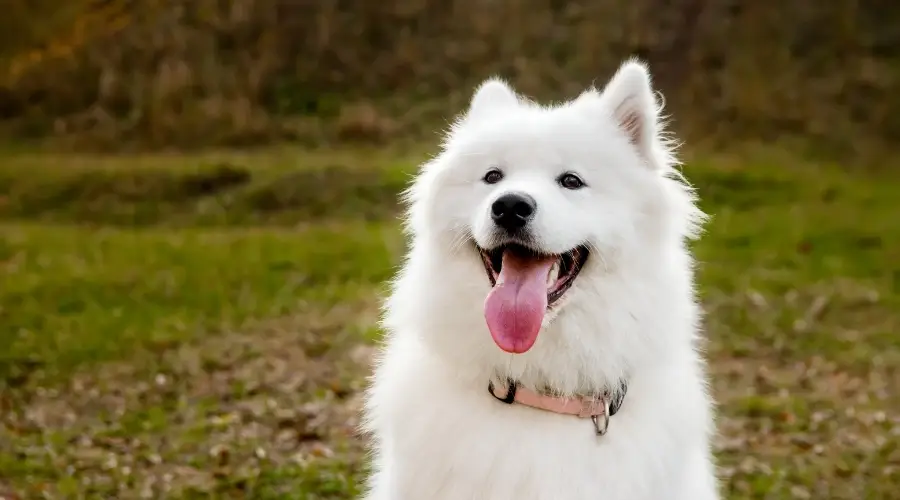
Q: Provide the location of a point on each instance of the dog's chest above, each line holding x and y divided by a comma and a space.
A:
478, 448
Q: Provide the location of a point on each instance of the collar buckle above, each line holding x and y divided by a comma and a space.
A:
601, 422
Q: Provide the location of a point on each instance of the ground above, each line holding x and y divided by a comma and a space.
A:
200, 326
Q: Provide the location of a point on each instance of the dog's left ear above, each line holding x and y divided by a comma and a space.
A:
629, 97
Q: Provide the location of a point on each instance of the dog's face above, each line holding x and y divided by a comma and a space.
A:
544, 199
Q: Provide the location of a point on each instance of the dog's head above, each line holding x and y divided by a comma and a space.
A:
527, 209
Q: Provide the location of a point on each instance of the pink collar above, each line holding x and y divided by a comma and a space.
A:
598, 409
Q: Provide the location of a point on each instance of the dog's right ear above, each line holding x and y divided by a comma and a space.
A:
492, 95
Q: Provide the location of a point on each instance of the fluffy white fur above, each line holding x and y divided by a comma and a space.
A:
437, 433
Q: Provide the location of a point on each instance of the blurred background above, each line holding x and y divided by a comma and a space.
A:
198, 211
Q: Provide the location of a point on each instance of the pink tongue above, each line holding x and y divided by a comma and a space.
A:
516, 305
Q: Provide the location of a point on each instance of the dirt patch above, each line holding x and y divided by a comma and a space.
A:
237, 414
805, 391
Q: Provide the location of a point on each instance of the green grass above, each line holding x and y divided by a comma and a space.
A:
74, 294
200, 326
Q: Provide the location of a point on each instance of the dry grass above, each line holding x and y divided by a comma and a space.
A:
264, 413
199, 72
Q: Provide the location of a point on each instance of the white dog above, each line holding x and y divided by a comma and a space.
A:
542, 333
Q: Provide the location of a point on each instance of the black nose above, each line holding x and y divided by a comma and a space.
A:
513, 210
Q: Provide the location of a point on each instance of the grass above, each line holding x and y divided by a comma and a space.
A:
74, 294
199, 326
213, 189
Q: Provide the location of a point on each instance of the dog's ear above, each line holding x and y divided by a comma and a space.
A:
630, 98
492, 95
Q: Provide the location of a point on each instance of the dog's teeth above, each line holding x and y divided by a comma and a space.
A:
554, 272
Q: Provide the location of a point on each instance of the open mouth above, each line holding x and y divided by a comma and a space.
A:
560, 276
525, 285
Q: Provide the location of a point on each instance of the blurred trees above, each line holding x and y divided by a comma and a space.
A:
201, 71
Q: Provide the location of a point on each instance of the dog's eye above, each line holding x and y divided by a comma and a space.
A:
493, 176
570, 181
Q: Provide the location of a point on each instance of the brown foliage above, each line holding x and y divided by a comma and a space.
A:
207, 71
